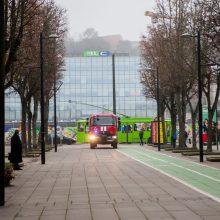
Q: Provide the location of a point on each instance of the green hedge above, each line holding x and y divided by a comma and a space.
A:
9, 175
213, 159
197, 153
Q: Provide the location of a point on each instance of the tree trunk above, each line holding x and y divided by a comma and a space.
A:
29, 113
46, 115
23, 125
173, 122
182, 117
210, 121
173, 112
181, 139
34, 123
164, 129
194, 115
163, 125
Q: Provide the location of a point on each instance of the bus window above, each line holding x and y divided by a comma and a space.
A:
135, 127
87, 121
139, 126
81, 127
87, 129
103, 121
148, 126
128, 128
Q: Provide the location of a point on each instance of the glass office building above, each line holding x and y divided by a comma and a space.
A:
88, 88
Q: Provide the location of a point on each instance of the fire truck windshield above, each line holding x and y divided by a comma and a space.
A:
104, 121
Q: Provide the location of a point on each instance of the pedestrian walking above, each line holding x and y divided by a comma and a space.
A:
16, 150
173, 139
190, 136
186, 137
141, 135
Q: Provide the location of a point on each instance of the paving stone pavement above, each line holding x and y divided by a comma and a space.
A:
78, 183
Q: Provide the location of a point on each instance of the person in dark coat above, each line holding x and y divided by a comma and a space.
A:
16, 150
141, 135
173, 139
186, 136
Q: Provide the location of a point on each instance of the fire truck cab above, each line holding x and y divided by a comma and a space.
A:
103, 129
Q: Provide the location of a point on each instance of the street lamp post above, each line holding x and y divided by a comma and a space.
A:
55, 102
199, 91
42, 99
158, 110
42, 94
200, 96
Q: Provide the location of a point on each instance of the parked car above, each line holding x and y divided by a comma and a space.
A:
69, 140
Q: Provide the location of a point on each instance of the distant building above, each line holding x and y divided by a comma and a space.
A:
113, 43
87, 88
112, 40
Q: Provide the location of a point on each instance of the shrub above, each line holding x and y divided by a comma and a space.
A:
9, 175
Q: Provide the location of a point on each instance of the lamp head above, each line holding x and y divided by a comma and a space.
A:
149, 13
54, 36
187, 35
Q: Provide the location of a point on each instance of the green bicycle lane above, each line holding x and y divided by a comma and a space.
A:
202, 178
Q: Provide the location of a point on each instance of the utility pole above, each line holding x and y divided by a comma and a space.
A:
113, 83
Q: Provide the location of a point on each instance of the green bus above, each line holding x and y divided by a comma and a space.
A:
128, 131
130, 127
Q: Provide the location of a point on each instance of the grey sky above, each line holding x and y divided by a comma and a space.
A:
125, 17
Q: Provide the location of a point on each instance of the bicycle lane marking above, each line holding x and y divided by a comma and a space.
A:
205, 184
212, 172
191, 166
184, 169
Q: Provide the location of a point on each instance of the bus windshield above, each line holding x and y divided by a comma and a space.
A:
103, 121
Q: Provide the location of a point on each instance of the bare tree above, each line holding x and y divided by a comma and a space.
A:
168, 48
18, 14
175, 17
54, 21
210, 28
26, 67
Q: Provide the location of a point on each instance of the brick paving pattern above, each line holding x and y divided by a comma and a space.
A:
78, 183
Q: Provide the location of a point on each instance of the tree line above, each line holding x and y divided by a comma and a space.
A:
21, 23
90, 40
176, 59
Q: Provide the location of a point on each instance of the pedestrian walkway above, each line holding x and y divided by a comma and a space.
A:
81, 183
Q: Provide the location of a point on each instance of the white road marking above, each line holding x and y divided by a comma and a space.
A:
183, 182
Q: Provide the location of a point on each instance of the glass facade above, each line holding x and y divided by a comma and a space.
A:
88, 88
12, 106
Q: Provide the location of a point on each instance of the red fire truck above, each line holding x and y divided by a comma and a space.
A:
103, 129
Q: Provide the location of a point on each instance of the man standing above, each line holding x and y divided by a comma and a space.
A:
16, 150
141, 135
173, 139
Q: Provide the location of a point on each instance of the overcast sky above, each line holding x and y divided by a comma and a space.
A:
124, 17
